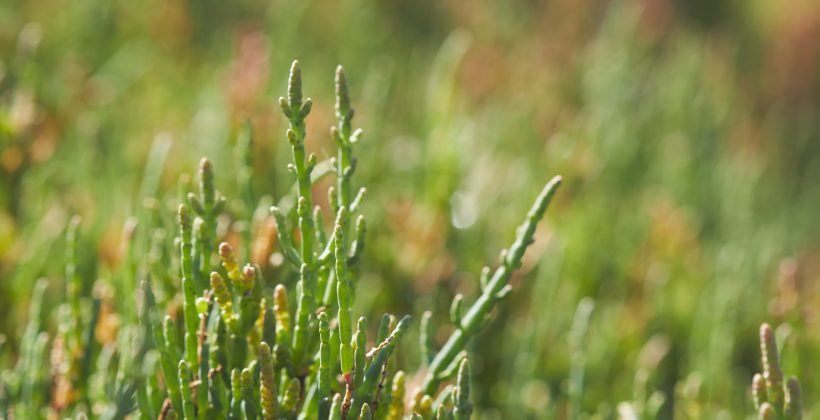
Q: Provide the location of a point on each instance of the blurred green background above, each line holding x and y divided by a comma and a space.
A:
687, 132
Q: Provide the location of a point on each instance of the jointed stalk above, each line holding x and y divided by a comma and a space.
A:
476, 316
296, 111
188, 290
343, 295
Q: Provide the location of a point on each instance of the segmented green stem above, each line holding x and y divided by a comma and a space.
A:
344, 300
185, 390
475, 317
188, 290
345, 137
296, 111
303, 312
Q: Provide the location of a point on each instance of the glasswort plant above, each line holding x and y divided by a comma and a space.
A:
225, 342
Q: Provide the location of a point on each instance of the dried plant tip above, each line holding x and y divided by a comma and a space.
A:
248, 277
226, 253
249, 272
225, 250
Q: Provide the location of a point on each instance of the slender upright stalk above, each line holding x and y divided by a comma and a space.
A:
496, 287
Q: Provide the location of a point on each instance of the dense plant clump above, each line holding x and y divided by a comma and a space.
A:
215, 339
685, 133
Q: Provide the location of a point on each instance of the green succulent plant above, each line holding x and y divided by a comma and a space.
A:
774, 397
228, 343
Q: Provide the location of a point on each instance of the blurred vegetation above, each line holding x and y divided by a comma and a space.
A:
687, 134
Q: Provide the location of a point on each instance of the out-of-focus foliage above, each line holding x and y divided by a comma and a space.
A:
687, 133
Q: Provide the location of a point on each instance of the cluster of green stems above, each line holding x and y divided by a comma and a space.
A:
239, 346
